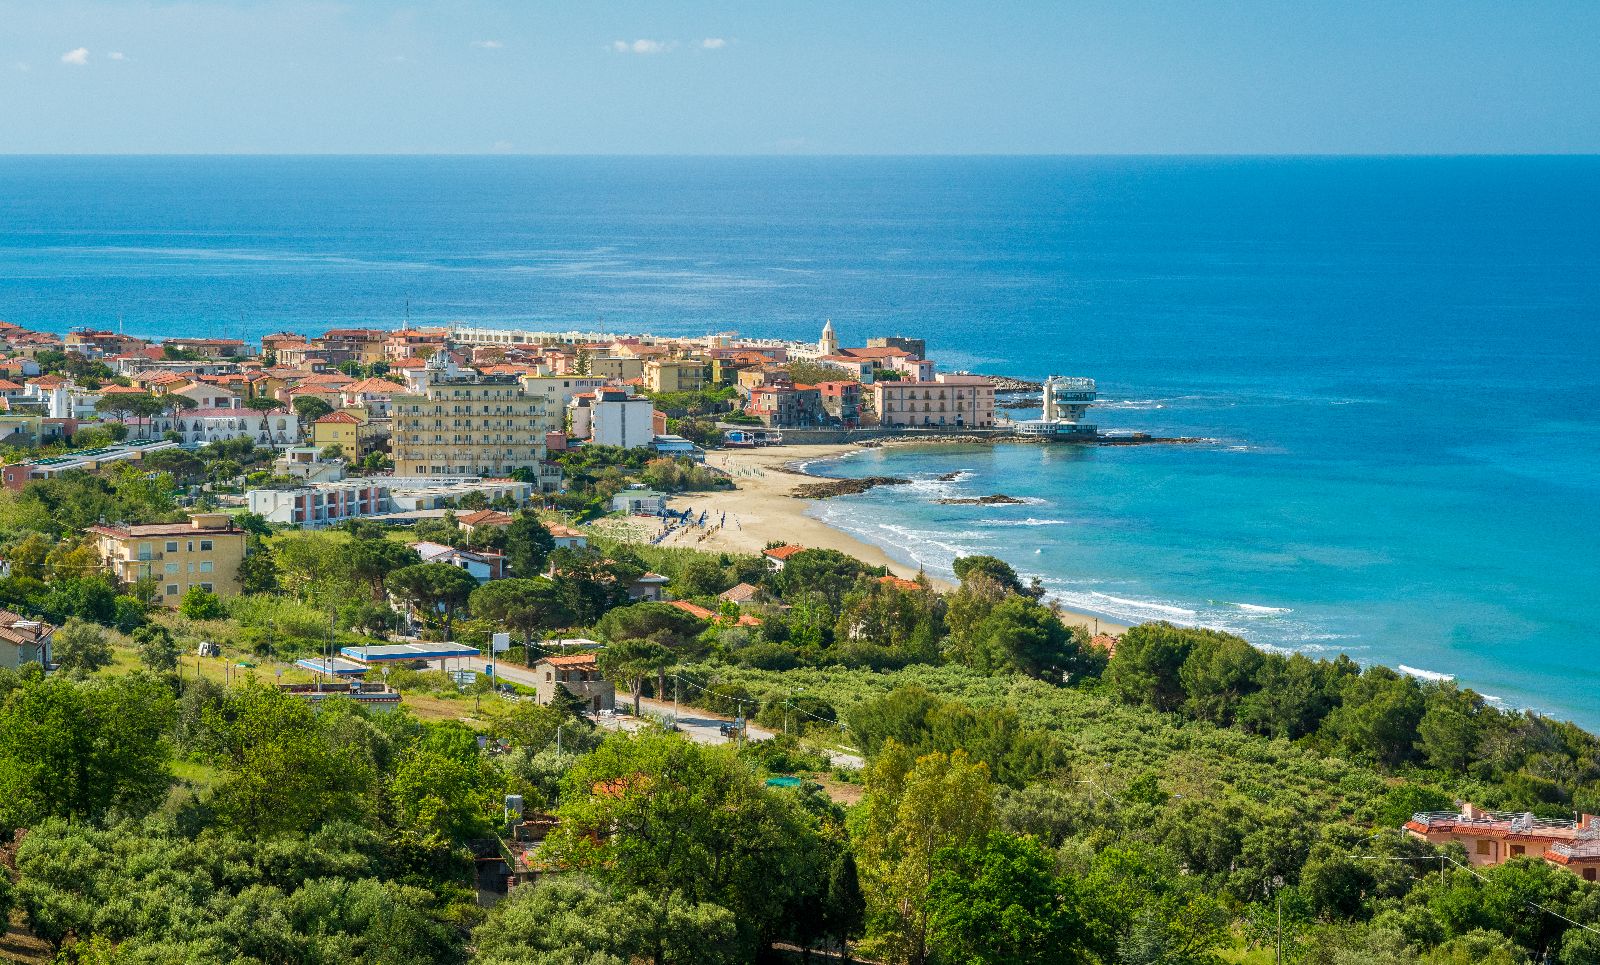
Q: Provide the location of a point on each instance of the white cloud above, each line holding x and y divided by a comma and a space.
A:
487, 44
77, 57
116, 55
713, 43
643, 46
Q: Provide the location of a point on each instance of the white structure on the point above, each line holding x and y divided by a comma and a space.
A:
1066, 402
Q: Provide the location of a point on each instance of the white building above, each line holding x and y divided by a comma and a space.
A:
613, 418
196, 427
328, 503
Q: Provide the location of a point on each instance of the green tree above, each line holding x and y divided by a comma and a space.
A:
1021, 635
1450, 728
998, 901
437, 588
157, 649
263, 403
1377, 716
575, 919
83, 750
441, 795
282, 772
201, 604
827, 572
671, 818
994, 568
1220, 671
523, 606
528, 545
631, 661
372, 557
310, 408
914, 808
80, 647
1149, 659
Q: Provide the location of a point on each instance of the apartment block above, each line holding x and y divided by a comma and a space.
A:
205, 552
473, 426
946, 400
674, 375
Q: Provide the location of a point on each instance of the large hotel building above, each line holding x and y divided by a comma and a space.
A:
478, 426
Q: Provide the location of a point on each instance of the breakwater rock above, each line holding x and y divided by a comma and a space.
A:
845, 487
996, 499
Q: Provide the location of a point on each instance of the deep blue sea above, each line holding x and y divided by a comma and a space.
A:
1399, 356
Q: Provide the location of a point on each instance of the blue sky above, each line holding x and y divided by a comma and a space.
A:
752, 77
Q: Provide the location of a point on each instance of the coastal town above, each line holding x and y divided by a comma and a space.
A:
555, 566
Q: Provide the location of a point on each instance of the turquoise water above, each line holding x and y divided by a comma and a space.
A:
1398, 356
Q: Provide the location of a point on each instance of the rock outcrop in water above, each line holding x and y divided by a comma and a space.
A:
995, 499
845, 487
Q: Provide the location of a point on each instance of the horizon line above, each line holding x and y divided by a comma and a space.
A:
804, 155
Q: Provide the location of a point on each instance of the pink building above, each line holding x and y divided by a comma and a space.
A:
1495, 837
946, 400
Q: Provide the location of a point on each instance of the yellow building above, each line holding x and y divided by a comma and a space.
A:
674, 375
205, 552
476, 426
616, 368
344, 429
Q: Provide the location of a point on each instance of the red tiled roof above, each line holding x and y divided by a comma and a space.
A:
492, 517
374, 386
693, 610
898, 583
571, 660
783, 552
341, 418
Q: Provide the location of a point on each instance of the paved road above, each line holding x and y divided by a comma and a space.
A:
698, 725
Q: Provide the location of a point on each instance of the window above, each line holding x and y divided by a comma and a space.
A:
172, 567
172, 589
1484, 847
206, 587
205, 546
1588, 874
172, 546
1518, 851
206, 567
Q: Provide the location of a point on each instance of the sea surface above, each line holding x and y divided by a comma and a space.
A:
1398, 358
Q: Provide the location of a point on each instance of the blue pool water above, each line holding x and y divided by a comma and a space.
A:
1398, 355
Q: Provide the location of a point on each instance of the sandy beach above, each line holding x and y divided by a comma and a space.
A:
761, 510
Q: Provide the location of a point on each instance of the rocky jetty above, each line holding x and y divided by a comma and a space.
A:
827, 489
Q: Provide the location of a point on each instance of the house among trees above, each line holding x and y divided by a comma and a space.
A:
777, 556
1495, 837
23, 640
580, 674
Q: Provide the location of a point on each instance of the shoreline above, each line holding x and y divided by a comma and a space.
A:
761, 510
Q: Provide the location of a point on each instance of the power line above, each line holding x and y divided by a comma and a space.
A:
1476, 874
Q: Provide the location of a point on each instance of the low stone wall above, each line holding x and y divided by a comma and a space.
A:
832, 437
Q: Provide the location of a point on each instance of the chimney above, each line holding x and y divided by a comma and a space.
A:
1470, 812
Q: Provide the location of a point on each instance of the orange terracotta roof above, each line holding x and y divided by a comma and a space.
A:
784, 552
491, 517
571, 660
374, 386
899, 584
341, 418
693, 610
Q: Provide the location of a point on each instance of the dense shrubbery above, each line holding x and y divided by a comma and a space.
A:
1024, 800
